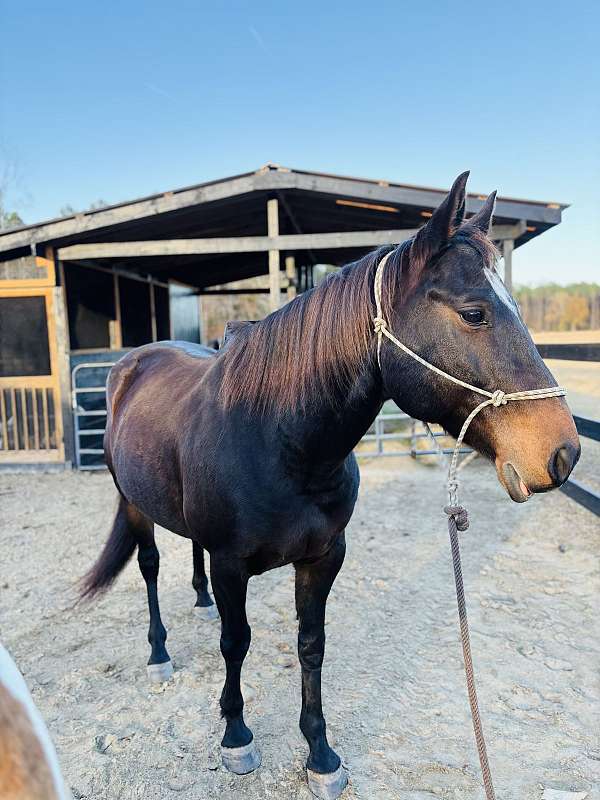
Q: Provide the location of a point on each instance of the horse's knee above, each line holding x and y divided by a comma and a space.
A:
311, 649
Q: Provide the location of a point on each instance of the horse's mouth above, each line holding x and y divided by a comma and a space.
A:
514, 484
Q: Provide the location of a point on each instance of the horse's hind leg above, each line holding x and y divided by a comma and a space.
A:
229, 582
204, 608
326, 775
159, 666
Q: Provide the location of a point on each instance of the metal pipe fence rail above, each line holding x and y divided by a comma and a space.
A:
378, 435
88, 388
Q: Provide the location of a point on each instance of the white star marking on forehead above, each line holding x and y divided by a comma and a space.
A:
500, 289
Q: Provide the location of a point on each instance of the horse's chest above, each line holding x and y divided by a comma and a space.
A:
305, 529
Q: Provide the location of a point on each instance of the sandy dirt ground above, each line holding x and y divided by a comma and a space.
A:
394, 691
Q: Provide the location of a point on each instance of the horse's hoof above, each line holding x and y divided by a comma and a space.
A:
329, 785
159, 673
241, 760
206, 612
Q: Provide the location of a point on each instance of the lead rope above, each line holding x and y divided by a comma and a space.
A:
458, 519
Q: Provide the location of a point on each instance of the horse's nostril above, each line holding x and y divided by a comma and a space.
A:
562, 462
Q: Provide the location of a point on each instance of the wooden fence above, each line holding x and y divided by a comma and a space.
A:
28, 419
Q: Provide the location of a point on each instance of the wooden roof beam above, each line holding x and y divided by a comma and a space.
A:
233, 244
253, 244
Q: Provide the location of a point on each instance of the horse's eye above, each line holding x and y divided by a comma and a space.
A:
473, 316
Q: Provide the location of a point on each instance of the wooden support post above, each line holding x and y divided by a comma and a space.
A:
507, 251
58, 335
115, 329
290, 271
274, 276
153, 312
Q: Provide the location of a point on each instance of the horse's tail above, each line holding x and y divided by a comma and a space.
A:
119, 548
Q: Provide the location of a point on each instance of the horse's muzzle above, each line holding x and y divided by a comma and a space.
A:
520, 486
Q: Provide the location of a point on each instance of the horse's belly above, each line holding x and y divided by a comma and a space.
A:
146, 480
141, 450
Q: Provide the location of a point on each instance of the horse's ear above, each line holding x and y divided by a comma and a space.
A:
445, 220
483, 218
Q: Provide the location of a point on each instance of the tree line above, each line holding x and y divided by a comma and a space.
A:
551, 307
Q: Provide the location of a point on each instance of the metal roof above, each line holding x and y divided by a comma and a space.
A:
270, 167
310, 202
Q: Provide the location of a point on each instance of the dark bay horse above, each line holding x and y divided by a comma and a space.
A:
248, 451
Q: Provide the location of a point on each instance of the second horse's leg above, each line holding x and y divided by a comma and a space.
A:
326, 775
229, 582
204, 608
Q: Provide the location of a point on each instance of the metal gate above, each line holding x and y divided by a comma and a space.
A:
394, 433
88, 395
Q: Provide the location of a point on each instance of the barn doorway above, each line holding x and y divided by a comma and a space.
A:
30, 399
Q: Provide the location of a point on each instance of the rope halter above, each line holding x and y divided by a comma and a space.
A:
495, 399
458, 519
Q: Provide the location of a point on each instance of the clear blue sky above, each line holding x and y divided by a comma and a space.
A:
117, 100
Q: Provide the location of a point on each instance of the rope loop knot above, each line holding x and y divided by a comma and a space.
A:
499, 398
452, 485
459, 515
379, 324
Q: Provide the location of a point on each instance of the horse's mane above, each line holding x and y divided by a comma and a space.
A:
315, 346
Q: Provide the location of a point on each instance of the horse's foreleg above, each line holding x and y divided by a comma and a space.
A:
204, 608
326, 775
159, 667
229, 582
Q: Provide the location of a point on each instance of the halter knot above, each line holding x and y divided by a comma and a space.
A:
459, 515
379, 324
499, 398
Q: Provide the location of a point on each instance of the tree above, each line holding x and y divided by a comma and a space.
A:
560, 308
9, 219
69, 211
577, 312
9, 179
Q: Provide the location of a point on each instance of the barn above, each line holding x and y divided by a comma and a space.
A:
77, 292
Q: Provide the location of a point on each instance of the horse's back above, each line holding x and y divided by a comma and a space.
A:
29, 768
157, 364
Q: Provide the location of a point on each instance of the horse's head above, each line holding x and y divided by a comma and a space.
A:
443, 298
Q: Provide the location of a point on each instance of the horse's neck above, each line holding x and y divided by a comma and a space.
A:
328, 431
